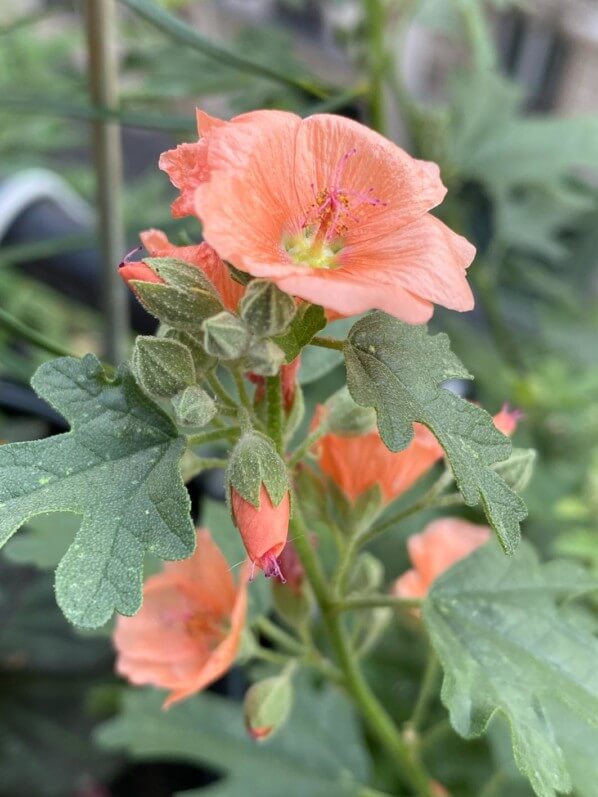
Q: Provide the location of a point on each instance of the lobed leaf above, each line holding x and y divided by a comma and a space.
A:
399, 369
119, 468
505, 646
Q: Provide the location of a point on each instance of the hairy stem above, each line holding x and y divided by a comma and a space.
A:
326, 343
201, 438
352, 603
406, 761
275, 416
306, 446
13, 324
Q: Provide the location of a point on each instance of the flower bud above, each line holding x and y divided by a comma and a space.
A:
264, 358
260, 501
266, 309
162, 366
225, 336
136, 270
194, 407
267, 706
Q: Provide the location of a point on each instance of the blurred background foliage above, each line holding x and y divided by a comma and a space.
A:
503, 96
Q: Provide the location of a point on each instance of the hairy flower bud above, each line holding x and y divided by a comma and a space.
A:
267, 705
225, 336
260, 501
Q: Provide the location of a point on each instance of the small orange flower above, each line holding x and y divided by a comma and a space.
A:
442, 543
263, 529
357, 462
200, 255
186, 634
330, 211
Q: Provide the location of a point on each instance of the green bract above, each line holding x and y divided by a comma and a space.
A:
309, 319
399, 369
506, 646
119, 468
254, 463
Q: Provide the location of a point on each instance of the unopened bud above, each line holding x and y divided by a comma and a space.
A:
266, 309
260, 501
225, 336
163, 367
264, 358
267, 706
194, 407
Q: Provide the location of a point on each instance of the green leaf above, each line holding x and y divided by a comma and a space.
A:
316, 361
163, 367
179, 309
119, 468
318, 754
309, 319
398, 369
506, 646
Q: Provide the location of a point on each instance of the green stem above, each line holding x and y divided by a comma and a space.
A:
107, 155
186, 35
342, 573
478, 34
373, 712
219, 390
244, 397
352, 603
430, 499
427, 692
276, 634
275, 414
376, 65
12, 324
271, 656
326, 343
306, 446
201, 438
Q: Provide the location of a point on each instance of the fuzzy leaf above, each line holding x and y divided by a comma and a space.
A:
506, 646
398, 369
308, 320
119, 468
318, 754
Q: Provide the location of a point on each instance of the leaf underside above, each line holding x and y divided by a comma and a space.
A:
119, 468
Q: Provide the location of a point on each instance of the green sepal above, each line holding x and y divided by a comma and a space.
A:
264, 358
225, 336
399, 370
345, 417
176, 308
162, 367
180, 274
202, 361
255, 462
267, 706
266, 309
242, 277
309, 319
194, 407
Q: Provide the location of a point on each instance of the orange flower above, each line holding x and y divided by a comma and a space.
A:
355, 463
442, 543
187, 165
187, 632
200, 255
264, 529
331, 212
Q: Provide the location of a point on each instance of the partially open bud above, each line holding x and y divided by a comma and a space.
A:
131, 270
267, 706
260, 501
